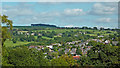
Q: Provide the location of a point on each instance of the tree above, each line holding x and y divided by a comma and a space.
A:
98, 34
14, 40
39, 36
22, 56
63, 60
59, 62
95, 28
78, 51
84, 27
101, 28
61, 52
103, 54
6, 30
46, 49
92, 43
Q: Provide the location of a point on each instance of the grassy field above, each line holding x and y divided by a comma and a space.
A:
44, 37
47, 37
9, 43
83, 30
57, 30
35, 37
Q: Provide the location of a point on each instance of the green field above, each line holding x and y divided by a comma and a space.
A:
90, 32
57, 30
47, 37
9, 43
83, 30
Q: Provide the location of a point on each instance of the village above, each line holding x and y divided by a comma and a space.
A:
71, 47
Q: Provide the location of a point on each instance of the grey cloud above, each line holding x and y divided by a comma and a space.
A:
17, 12
104, 9
74, 12
105, 20
71, 20
30, 20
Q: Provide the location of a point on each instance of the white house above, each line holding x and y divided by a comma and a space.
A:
50, 46
32, 33
107, 41
101, 36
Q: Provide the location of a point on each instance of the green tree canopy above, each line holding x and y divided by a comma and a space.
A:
6, 30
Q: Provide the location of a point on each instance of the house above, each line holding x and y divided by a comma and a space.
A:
100, 36
114, 42
50, 46
107, 41
51, 50
40, 47
32, 33
80, 44
102, 39
68, 43
82, 50
20, 32
70, 46
84, 53
89, 46
77, 41
71, 42
60, 49
76, 57
76, 35
27, 33
98, 40
66, 51
73, 51
76, 45
36, 47
60, 34
80, 32
57, 44
39, 34
94, 39
86, 43
32, 46
45, 53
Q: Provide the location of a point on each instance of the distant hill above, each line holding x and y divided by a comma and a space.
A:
43, 25
48, 26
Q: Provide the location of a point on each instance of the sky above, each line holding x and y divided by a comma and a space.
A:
64, 14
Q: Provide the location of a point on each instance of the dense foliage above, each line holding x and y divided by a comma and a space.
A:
22, 56
6, 30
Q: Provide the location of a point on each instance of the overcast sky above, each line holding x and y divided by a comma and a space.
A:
69, 14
